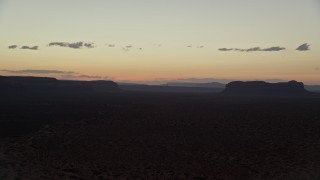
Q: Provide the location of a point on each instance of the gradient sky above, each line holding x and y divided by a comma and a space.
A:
163, 29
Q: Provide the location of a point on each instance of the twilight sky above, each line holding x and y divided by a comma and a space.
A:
152, 40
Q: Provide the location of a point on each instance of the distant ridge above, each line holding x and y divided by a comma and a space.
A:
312, 88
168, 89
261, 88
31, 79
29, 84
190, 84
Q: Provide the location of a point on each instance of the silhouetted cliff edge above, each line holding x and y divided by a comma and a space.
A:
11, 84
261, 88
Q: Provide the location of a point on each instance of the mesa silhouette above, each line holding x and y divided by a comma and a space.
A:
261, 88
42, 85
14, 84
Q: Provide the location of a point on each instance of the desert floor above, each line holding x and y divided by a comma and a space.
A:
159, 136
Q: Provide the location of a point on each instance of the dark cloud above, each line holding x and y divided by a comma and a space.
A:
30, 47
275, 48
111, 45
200, 47
62, 44
89, 45
76, 45
12, 47
303, 47
34, 71
130, 47
249, 50
189, 46
254, 49
241, 50
225, 49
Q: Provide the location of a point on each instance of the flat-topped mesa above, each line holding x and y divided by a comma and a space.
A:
261, 88
8, 85
31, 79
3, 78
12, 84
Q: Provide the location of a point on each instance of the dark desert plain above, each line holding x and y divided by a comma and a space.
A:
111, 133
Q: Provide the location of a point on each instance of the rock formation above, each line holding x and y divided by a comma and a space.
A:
261, 88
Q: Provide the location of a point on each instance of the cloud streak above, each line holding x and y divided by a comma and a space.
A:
36, 71
303, 47
89, 45
75, 45
275, 48
30, 47
12, 47
83, 76
225, 49
56, 73
89, 77
254, 49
